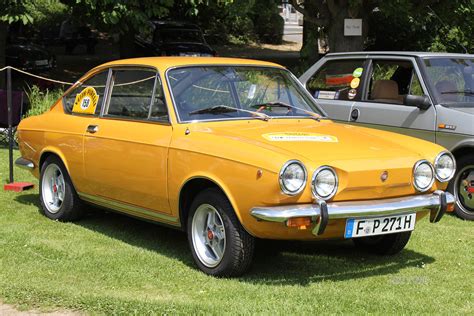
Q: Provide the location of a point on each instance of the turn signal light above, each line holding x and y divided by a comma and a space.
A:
299, 222
450, 207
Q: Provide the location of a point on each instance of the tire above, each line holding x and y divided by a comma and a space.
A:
219, 244
464, 207
390, 244
54, 185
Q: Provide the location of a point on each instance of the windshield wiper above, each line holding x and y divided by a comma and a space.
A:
280, 104
466, 92
219, 109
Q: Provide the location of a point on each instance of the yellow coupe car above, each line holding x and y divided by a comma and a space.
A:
229, 150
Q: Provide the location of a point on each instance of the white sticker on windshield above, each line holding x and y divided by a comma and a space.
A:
300, 137
252, 90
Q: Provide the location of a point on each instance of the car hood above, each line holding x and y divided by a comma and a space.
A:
323, 142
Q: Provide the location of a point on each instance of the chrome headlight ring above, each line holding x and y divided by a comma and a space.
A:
313, 184
281, 178
418, 164
436, 163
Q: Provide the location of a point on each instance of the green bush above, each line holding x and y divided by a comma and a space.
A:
41, 101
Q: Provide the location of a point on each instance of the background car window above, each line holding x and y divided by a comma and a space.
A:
132, 92
337, 80
97, 82
146, 33
392, 80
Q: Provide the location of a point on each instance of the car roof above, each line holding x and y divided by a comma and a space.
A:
163, 63
402, 53
174, 24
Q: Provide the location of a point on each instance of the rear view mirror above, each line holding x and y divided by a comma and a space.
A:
420, 101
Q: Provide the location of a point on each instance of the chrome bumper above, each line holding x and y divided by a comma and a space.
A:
24, 163
436, 203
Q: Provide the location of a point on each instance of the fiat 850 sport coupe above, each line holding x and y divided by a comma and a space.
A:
229, 150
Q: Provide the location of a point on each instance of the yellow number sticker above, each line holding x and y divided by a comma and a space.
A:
86, 101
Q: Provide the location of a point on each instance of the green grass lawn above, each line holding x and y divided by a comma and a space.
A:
109, 263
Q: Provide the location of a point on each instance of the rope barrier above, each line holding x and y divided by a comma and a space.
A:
36, 76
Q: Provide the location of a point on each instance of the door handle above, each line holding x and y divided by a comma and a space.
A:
92, 129
355, 114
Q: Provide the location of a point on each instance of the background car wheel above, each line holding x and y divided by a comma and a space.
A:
383, 245
462, 187
219, 244
59, 200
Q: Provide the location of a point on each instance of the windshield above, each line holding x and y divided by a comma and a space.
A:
231, 92
179, 36
452, 79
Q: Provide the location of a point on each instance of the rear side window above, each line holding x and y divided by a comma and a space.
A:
87, 98
338, 80
136, 94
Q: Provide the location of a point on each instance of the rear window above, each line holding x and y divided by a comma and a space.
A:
337, 80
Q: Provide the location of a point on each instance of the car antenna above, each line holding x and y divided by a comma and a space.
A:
444, 24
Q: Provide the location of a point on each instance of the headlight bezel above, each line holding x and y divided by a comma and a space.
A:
283, 188
438, 157
336, 183
430, 185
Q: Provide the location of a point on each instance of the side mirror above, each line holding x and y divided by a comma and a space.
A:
420, 101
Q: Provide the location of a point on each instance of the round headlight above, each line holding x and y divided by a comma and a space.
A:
445, 166
324, 183
423, 175
292, 177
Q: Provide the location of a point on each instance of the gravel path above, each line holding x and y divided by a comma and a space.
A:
9, 310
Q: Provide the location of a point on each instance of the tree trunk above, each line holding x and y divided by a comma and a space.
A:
337, 41
310, 51
127, 44
3, 46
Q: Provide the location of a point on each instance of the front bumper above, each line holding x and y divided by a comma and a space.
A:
321, 213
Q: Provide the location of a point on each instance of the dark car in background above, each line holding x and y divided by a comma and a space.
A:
171, 38
29, 57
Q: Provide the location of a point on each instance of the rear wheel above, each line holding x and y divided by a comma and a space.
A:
219, 244
383, 245
59, 200
462, 187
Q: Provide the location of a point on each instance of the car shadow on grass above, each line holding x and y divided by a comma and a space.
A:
275, 262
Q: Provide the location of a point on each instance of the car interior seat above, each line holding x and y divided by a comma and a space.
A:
386, 91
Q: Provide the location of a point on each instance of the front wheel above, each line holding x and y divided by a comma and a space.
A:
462, 187
219, 244
384, 244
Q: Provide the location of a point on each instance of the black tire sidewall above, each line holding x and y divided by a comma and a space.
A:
460, 164
390, 244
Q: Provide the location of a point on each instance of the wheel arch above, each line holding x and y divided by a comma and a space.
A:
192, 187
463, 150
49, 151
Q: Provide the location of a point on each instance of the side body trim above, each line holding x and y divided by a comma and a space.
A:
130, 209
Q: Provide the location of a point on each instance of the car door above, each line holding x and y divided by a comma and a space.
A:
335, 84
390, 80
126, 148
82, 104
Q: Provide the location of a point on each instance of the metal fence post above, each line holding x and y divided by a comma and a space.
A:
10, 122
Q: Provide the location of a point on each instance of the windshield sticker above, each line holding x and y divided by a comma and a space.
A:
338, 80
251, 93
355, 83
358, 72
352, 94
329, 95
86, 101
299, 137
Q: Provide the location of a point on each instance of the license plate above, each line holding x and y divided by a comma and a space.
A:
43, 62
363, 227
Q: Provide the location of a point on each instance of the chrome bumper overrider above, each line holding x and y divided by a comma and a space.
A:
322, 212
24, 163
